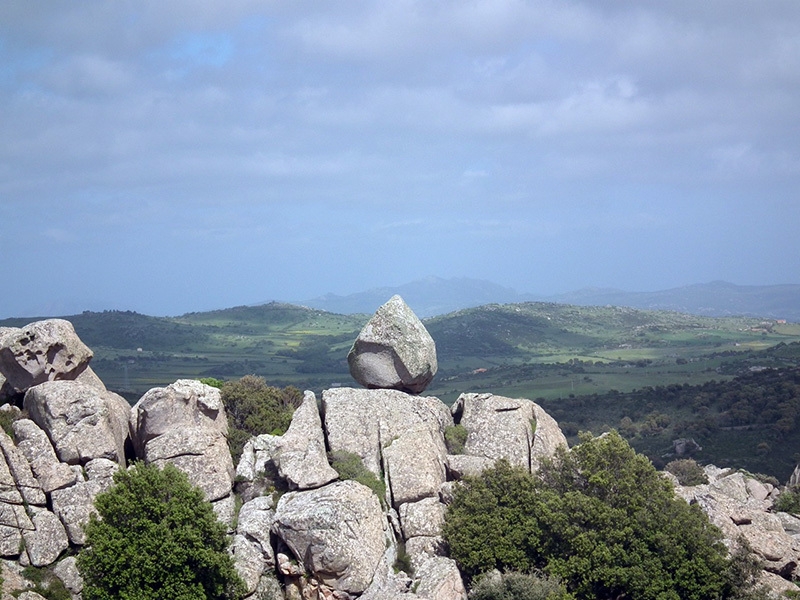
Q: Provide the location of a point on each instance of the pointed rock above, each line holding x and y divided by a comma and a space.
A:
301, 458
394, 351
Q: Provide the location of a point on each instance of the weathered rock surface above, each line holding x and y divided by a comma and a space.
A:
735, 503
34, 444
464, 465
387, 584
67, 571
394, 351
415, 465
423, 518
185, 404
74, 506
516, 430
202, 454
336, 531
82, 421
41, 351
300, 455
256, 468
45, 543
364, 421
20, 470
248, 560
185, 424
439, 579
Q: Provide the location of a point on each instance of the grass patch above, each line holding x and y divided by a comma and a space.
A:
350, 466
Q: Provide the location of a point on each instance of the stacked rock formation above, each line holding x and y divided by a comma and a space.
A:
323, 538
394, 351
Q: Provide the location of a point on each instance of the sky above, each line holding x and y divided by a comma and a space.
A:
168, 157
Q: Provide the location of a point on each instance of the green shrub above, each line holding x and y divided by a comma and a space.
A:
455, 436
213, 382
7, 417
788, 501
403, 560
157, 537
599, 517
46, 584
350, 466
253, 408
518, 586
687, 471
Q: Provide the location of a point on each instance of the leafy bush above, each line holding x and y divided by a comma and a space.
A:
518, 586
7, 417
455, 436
598, 517
46, 584
788, 501
253, 408
157, 537
687, 471
350, 466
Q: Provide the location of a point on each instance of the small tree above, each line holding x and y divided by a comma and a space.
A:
157, 538
254, 407
599, 517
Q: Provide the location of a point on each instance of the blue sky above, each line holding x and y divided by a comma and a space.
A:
182, 156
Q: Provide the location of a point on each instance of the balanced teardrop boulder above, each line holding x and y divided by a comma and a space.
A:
394, 351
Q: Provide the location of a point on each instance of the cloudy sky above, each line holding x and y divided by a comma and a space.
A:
168, 157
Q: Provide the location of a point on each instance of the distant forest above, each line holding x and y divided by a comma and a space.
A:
751, 421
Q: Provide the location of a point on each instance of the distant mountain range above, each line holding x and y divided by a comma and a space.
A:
433, 296
427, 297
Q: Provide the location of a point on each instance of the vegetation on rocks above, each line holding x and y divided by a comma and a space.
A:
254, 407
599, 517
518, 586
350, 466
788, 501
157, 537
45, 583
455, 436
687, 471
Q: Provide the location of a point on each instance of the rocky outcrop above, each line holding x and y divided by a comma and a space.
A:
300, 455
365, 421
82, 421
185, 424
32, 441
516, 430
323, 539
47, 540
440, 579
415, 465
739, 505
74, 505
41, 351
336, 532
394, 351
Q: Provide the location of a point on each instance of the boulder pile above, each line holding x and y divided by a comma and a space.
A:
323, 537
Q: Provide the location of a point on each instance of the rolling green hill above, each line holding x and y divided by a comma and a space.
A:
591, 367
531, 349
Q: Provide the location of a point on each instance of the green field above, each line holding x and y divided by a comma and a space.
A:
532, 350
591, 367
